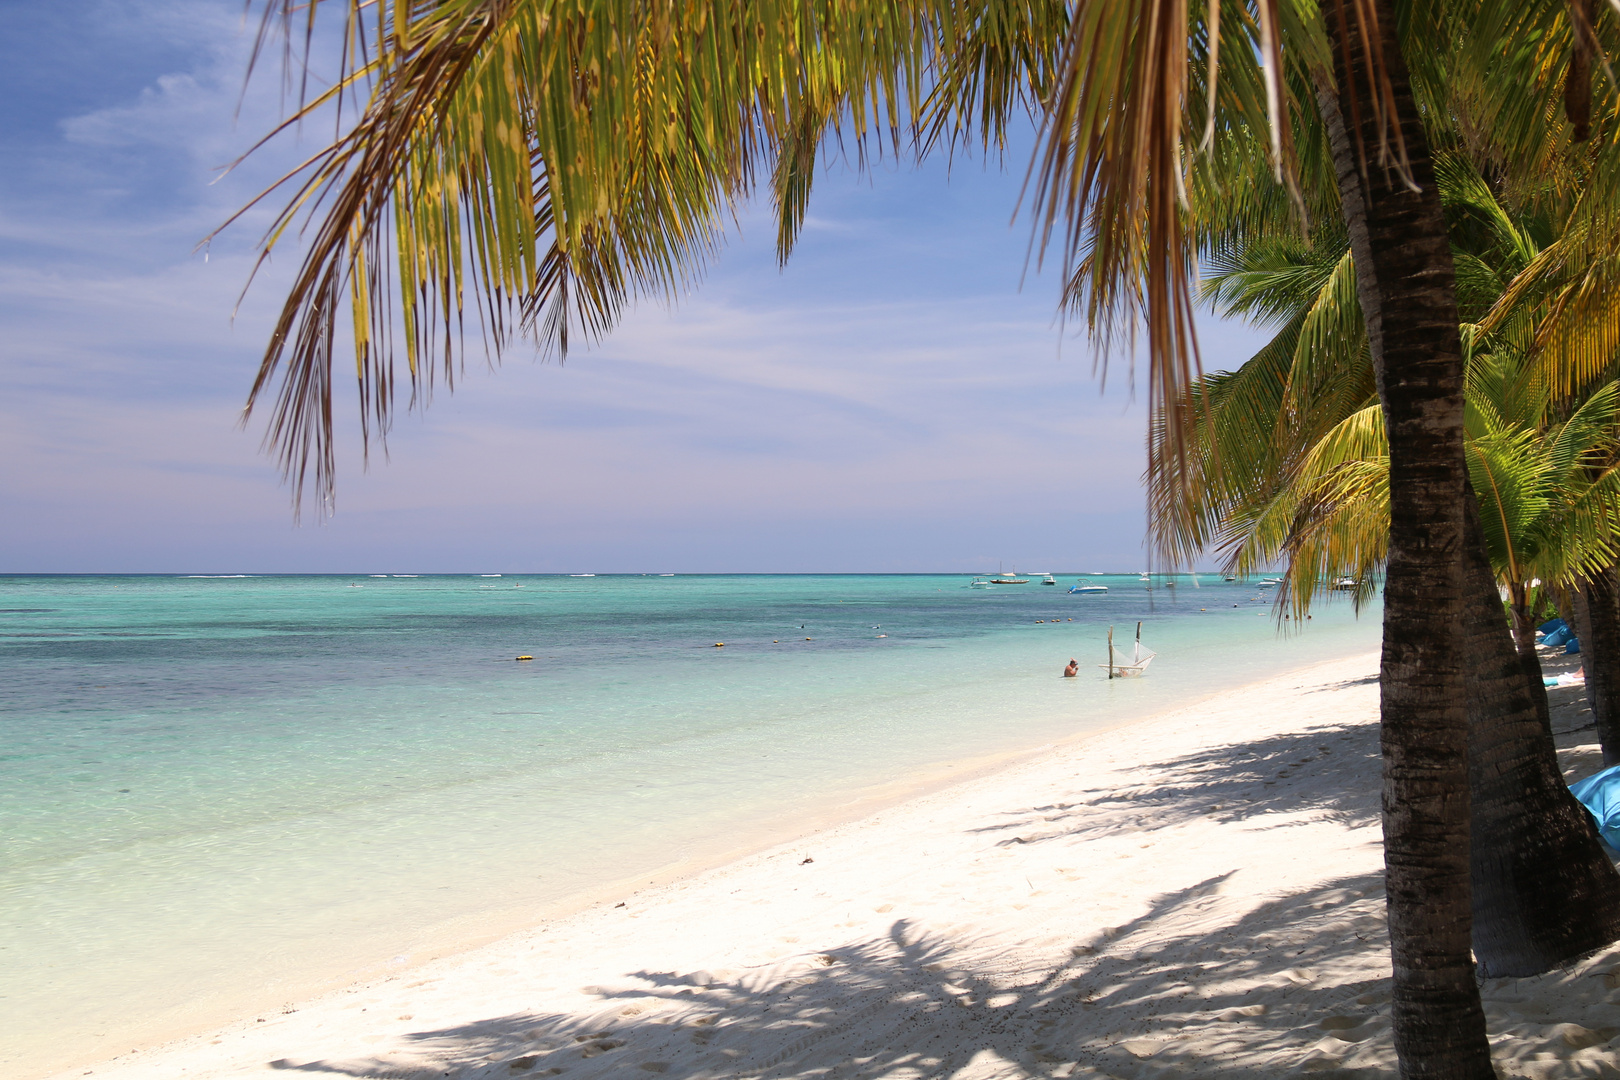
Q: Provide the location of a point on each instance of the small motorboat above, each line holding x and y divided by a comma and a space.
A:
1269, 583
1048, 579
1080, 586
978, 583
1346, 584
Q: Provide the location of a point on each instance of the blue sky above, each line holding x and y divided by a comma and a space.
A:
892, 401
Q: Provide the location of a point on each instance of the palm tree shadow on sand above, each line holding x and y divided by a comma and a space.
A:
1127, 1003
1281, 775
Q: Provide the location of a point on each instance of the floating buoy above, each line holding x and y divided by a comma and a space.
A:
719, 644
525, 658
807, 639
776, 641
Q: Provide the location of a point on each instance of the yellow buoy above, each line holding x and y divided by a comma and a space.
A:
807, 639
525, 658
719, 644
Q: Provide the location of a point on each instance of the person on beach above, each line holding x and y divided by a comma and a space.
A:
1073, 669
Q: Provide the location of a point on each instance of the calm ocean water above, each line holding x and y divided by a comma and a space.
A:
221, 794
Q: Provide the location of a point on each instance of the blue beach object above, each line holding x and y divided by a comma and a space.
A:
1550, 625
1557, 637
1600, 793
1573, 645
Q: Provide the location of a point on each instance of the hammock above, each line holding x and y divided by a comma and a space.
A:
1123, 666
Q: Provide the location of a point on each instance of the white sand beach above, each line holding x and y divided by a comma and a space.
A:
1198, 894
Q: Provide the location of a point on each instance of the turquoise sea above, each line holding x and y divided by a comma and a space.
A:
222, 794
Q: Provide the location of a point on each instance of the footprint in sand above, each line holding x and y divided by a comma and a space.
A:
1351, 1028
1142, 1048
1246, 1012
1577, 1037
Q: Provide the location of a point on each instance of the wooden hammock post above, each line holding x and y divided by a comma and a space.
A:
1110, 652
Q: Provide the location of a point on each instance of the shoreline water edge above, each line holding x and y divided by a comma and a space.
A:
247, 886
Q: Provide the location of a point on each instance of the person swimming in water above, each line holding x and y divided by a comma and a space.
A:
1073, 669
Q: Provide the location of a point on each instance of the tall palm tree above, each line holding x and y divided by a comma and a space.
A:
1289, 458
555, 158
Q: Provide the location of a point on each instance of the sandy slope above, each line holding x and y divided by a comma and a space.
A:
1198, 894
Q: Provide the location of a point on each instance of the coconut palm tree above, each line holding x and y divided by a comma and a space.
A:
550, 160
1289, 456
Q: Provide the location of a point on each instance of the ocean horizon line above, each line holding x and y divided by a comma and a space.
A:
226, 574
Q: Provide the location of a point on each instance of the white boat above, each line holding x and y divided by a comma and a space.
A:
1002, 578
1048, 579
1346, 584
1269, 583
1081, 587
581, 575
978, 583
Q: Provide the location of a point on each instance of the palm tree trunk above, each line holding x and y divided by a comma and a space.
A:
1524, 631
1406, 282
1597, 623
1544, 892
1524, 643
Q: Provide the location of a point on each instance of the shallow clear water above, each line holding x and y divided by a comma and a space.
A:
221, 794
